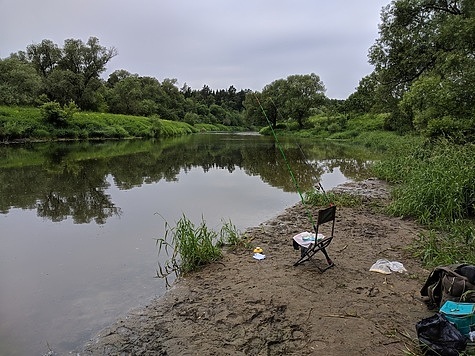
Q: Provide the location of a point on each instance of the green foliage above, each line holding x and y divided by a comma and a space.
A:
53, 121
363, 100
436, 247
292, 98
19, 82
458, 131
439, 186
320, 198
336, 126
435, 184
70, 73
19, 123
229, 235
54, 114
194, 246
425, 65
174, 128
391, 143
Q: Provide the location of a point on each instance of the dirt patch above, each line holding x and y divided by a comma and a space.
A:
242, 306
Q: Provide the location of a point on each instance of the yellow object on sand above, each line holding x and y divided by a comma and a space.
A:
258, 250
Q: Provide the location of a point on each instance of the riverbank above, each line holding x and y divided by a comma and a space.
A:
242, 306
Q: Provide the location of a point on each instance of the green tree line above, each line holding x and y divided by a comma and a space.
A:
423, 81
47, 73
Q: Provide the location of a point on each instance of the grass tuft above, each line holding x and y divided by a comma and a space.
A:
193, 246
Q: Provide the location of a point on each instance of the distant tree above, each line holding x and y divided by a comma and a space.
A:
205, 96
44, 56
125, 95
72, 72
292, 98
303, 92
88, 59
363, 99
186, 91
172, 100
117, 76
19, 82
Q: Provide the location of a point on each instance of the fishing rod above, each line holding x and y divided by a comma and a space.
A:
286, 161
319, 185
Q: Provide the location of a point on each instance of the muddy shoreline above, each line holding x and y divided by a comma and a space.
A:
242, 306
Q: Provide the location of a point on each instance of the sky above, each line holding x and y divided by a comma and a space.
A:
218, 43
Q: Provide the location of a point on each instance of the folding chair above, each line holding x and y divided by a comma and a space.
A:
308, 248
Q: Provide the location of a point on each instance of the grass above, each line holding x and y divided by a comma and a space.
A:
21, 123
319, 198
193, 246
435, 185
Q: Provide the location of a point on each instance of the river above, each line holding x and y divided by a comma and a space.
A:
78, 220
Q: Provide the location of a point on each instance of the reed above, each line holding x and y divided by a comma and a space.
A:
319, 198
435, 184
189, 247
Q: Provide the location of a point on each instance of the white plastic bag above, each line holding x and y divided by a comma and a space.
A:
386, 267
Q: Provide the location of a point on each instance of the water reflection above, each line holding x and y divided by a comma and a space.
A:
77, 246
62, 180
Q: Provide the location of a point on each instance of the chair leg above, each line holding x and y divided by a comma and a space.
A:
305, 255
329, 261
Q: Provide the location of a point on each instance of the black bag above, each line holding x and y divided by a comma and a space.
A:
438, 336
454, 282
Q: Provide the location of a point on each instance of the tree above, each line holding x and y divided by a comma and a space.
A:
303, 92
291, 98
77, 65
44, 56
363, 99
426, 44
171, 100
19, 82
86, 60
125, 95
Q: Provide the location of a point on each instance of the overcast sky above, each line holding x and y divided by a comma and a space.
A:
219, 43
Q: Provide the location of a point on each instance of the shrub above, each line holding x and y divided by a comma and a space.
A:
52, 113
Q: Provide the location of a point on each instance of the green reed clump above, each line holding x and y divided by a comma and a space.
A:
231, 236
437, 247
193, 246
439, 187
320, 198
435, 185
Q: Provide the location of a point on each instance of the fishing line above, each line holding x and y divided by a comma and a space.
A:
286, 162
320, 186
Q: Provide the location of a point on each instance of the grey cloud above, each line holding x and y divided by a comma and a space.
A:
247, 44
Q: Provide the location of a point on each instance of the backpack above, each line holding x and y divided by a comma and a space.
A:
453, 282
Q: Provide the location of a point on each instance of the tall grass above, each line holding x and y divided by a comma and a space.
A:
193, 246
435, 184
319, 198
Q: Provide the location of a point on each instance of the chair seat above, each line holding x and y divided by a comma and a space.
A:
309, 246
306, 239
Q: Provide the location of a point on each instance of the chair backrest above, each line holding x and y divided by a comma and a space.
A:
325, 216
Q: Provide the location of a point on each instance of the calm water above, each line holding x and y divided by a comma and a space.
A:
78, 220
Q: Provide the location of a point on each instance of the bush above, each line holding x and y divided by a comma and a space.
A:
54, 114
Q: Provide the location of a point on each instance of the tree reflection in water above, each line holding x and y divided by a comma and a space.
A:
62, 180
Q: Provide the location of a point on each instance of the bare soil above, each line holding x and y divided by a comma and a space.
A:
244, 306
